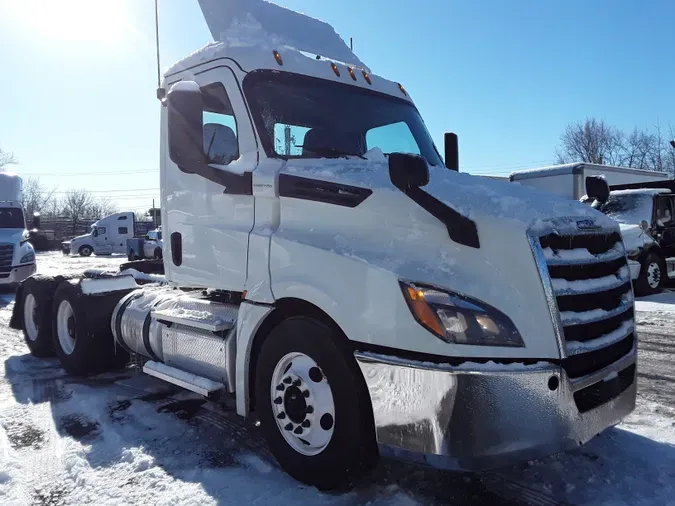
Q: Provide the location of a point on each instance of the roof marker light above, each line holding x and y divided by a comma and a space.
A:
277, 57
335, 69
400, 87
367, 77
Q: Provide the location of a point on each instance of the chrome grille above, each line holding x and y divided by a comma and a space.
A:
588, 284
6, 254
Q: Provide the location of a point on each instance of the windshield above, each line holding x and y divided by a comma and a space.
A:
11, 217
304, 117
629, 208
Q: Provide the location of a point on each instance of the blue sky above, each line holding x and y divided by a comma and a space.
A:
78, 83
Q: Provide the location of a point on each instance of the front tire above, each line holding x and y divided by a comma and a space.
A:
158, 253
652, 275
313, 405
81, 332
85, 251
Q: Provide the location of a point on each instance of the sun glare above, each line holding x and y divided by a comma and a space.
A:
76, 20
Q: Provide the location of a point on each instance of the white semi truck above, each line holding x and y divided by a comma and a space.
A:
348, 290
107, 236
17, 256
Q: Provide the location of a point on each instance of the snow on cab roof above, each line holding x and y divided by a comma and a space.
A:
567, 168
644, 191
258, 25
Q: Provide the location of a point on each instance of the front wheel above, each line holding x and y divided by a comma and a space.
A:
86, 251
313, 405
652, 275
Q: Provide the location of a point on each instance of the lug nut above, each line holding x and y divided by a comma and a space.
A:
281, 415
305, 393
278, 400
289, 426
309, 409
287, 380
297, 383
306, 423
280, 387
298, 430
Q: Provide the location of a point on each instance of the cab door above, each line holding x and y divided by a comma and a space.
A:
665, 223
102, 244
210, 212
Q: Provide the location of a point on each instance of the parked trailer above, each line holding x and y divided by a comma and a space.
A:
568, 180
353, 300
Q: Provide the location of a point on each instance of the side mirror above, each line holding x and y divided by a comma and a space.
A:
597, 188
185, 126
408, 171
451, 151
36, 220
644, 225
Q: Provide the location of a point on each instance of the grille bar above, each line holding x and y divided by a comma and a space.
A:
6, 255
602, 392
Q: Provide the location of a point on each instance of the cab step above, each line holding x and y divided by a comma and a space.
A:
198, 384
670, 267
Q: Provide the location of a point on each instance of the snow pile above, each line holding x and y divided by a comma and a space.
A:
575, 318
261, 23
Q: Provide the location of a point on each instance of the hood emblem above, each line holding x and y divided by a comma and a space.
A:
587, 225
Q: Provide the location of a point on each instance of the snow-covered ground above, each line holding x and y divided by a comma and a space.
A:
126, 438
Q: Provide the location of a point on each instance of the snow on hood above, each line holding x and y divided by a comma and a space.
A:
634, 237
473, 196
261, 23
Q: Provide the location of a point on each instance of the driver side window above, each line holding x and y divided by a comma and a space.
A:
664, 211
221, 144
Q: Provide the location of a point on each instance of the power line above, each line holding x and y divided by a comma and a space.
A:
110, 191
115, 173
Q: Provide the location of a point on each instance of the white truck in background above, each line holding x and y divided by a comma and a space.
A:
17, 256
346, 288
568, 180
108, 236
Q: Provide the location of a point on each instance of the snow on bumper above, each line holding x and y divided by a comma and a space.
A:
634, 267
17, 274
484, 416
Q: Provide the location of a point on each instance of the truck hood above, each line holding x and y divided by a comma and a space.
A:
80, 238
475, 197
634, 238
391, 233
11, 235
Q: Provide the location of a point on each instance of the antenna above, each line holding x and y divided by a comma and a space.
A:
159, 72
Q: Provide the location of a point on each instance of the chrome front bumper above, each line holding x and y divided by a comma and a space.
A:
17, 274
487, 415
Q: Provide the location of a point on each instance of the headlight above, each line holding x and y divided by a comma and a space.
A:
458, 319
27, 258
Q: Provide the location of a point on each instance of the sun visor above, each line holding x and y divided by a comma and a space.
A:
230, 21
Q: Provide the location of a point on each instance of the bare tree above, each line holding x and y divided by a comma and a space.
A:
36, 197
6, 158
98, 208
592, 141
638, 149
76, 206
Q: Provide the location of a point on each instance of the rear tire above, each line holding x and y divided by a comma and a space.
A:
158, 253
652, 275
335, 393
85, 251
81, 333
36, 313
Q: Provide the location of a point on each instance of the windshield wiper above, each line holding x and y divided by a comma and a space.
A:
332, 151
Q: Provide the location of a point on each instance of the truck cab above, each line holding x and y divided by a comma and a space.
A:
645, 213
108, 236
17, 256
351, 289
